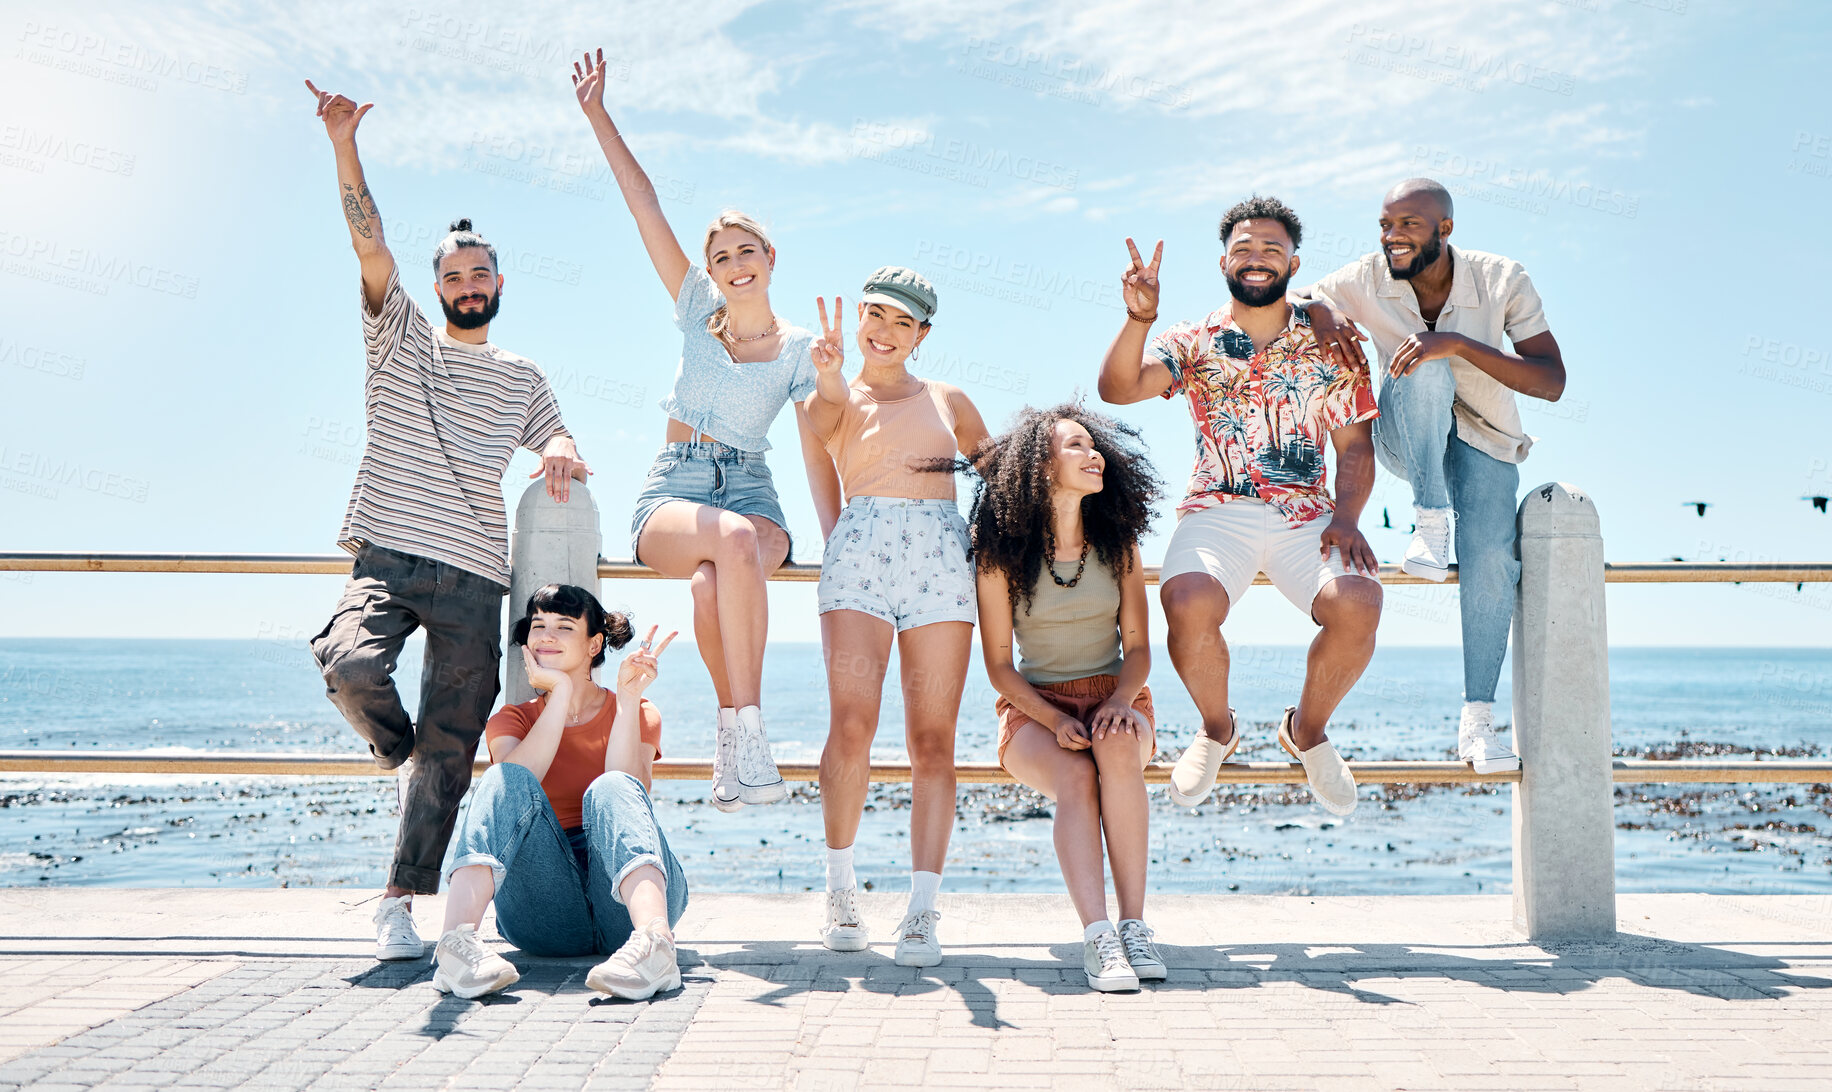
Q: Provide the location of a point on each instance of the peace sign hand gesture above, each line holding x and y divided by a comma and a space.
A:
340, 113
588, 82
639, 669
1139, 283
829, 351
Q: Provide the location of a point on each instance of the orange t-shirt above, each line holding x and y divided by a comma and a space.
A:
579, 758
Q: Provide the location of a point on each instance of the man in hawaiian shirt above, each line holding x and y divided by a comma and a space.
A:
1264, 400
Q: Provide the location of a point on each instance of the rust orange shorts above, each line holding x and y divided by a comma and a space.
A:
1078, 698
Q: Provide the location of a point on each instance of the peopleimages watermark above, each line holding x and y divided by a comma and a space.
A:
29, 149
408, 236
1063, 75
117, 60
491, 45
42, 359
1520, 187
1451, 64
37, 474
86, 269
1812, 154
1803, 367
918, 150
1009, 281
559, 170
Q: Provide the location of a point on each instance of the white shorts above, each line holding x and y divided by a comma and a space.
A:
904, 561
1239, 539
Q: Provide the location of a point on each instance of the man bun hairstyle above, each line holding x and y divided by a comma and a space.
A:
1262, 208
572, 601
461, 236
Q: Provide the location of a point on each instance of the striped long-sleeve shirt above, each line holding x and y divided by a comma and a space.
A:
443, 419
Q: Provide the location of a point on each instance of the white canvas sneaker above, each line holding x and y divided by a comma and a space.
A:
917, 945
395, 936
1104, 960
1477, 744
643, 967
1331, 781
1140, 951
1428, 555
845, 929
1193, 777
463, 966
758, 780
725, 794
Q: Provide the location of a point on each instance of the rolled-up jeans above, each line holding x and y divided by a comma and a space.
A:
557, 890
1415, 437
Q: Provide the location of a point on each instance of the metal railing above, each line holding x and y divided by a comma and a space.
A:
337, 564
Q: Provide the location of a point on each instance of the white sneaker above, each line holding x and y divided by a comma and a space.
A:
1140, 951
395, 936
916, 942
1104, 960
758, 780
1476, 742
725, 795
845, 930
1193, 777
463, 966
1331, 782
1429, 554
643, 967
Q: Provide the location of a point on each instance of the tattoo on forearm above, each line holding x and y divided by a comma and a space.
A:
353, 212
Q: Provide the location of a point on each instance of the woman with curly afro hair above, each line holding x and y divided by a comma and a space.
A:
1064, 496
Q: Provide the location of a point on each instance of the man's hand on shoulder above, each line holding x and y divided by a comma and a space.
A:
1337, 336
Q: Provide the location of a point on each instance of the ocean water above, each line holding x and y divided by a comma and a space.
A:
150, 830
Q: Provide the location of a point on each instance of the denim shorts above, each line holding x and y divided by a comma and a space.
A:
904, 561
710, 473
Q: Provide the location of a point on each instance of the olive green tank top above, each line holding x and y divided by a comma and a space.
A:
1070, 633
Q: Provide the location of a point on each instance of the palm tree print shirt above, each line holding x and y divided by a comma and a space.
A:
1262, 418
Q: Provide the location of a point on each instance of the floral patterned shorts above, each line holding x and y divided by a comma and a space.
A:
904, 561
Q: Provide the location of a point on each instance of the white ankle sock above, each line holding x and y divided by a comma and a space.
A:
728, 718
924, 886
839, 869
1096, 929
749, 716
1135, 921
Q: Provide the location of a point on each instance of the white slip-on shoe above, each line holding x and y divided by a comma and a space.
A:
917, 945
725, 795
395, 936
845, 929
1477, 744
759, 782
643, 967
1428, 555
1104, 960
463, 966
1330, 780
1193, 777
1140, 951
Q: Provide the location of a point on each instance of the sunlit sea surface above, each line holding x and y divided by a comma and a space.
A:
200, 695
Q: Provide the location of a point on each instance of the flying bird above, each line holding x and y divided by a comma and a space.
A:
1700, 505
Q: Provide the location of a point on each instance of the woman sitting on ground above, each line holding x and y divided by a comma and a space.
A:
1068, 493
561, 832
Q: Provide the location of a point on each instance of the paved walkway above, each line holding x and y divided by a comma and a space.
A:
274, 989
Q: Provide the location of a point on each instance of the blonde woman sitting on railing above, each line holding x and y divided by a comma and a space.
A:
561, 832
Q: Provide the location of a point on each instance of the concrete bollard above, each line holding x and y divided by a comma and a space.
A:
554, 543
1564, 826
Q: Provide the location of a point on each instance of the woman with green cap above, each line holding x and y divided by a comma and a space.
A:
895, 569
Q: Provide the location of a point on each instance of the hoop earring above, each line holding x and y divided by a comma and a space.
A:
916, 353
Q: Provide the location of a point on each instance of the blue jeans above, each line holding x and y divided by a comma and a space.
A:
1415, 437
548, 903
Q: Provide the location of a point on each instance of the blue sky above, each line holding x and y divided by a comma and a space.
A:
180, 353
